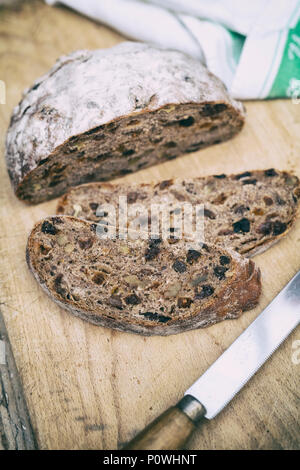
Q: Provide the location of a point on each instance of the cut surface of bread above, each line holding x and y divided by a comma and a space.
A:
100, 114
143, 286
247, 212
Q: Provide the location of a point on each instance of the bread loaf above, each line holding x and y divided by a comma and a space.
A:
100, 114
247, 212
143, 286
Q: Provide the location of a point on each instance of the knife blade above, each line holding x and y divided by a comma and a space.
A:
227, 375
232, 370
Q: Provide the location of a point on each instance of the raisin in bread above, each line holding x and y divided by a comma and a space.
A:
247, 212
104, 113
143, 286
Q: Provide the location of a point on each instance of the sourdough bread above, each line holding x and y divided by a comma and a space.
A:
100, 114
150, 287
247, 212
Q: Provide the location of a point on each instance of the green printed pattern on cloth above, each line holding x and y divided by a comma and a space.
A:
237, 45
287, 80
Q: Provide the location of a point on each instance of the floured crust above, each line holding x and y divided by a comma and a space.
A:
60, 122
266, 201
142, 286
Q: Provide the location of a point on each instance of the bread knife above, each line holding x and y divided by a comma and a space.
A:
227, 375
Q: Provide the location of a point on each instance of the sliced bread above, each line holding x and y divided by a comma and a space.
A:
100, 114
247, 212
151, 287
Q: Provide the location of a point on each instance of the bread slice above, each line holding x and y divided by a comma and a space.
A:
100, 114
152, 287
247, 212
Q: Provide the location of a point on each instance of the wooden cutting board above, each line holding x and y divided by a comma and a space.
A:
93, 388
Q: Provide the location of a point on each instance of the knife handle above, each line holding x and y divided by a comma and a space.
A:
170, 430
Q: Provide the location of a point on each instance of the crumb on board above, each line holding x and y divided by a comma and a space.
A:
2, 353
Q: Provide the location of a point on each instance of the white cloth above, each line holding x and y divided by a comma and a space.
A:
253, 46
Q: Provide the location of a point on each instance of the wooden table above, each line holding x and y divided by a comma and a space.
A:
88, 387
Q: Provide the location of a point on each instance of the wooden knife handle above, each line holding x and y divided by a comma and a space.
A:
170, 430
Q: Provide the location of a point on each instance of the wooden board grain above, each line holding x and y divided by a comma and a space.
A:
15, 428
93, 388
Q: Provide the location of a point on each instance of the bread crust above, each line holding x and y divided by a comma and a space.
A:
239, 292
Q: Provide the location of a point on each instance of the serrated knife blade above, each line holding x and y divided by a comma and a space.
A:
232, 370
227, 375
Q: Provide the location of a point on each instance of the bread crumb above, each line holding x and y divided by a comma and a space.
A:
77, 210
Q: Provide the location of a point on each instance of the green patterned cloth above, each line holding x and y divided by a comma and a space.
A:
287, 79
253, 46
